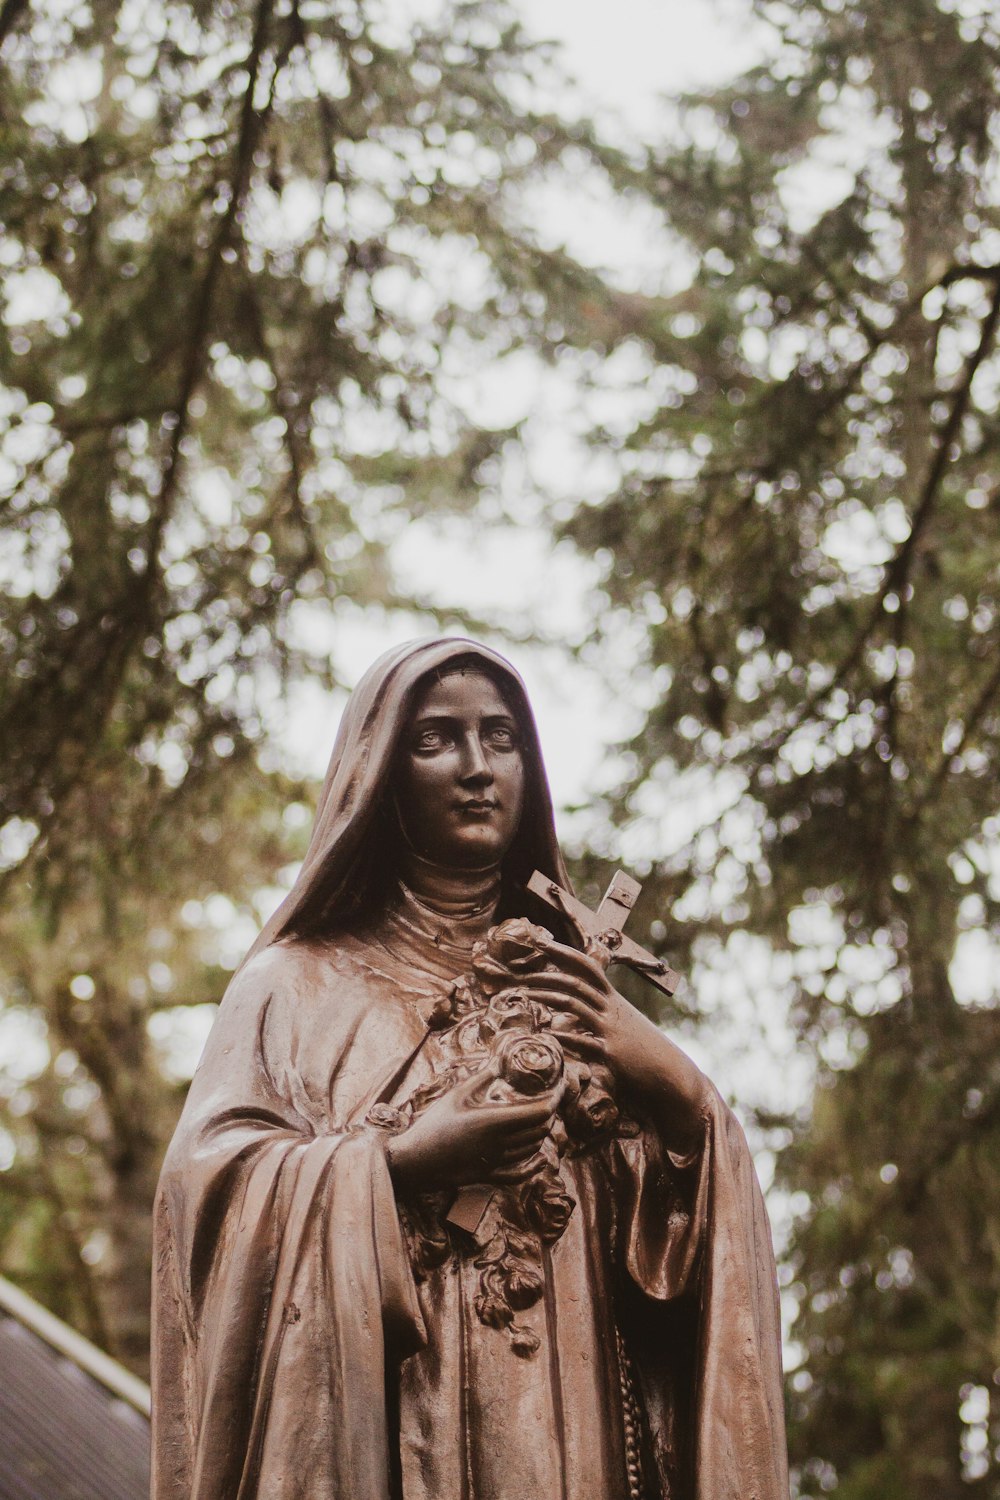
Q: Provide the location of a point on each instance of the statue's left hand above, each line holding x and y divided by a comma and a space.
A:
608, 1029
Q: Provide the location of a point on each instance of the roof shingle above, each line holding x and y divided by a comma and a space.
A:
65, 1434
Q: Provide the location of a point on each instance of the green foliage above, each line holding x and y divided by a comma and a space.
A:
251, 252
809, 522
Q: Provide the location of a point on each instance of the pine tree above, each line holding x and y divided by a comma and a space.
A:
808, 524
250, 252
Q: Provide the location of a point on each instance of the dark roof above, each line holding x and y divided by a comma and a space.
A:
73, 1424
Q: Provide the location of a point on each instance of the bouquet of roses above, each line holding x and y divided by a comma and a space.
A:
489, 1025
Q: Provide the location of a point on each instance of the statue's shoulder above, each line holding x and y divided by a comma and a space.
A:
294, 969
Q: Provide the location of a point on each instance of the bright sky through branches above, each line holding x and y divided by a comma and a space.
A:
625, 64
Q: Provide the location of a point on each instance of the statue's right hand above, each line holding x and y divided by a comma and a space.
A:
463, 1138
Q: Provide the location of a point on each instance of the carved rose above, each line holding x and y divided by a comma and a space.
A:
519, 945
530, 1064
514, 1008
515, 947
489, 1025
593, 1111
467, 1035
387, 1118
548, 1206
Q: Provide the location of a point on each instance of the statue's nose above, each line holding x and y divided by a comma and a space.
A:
475, 766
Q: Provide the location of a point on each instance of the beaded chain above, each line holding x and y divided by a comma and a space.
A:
632, 1424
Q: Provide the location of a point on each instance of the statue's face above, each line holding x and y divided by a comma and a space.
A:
459, 779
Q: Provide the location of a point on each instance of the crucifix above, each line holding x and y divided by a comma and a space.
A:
605, 924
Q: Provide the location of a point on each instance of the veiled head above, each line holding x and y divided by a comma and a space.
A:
350, 865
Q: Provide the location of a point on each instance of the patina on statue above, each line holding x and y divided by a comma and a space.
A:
413, 1026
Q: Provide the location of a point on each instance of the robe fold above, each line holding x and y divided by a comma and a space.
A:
297, 1357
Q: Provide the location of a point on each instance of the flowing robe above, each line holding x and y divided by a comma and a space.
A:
297, 1358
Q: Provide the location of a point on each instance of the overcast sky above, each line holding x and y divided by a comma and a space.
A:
627, 55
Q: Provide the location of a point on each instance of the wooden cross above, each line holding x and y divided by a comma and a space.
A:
606, 924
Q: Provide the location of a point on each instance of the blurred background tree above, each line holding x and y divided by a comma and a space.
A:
809, 523
251, 251
252, 255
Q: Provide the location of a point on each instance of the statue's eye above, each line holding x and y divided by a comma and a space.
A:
502, 737
429, 739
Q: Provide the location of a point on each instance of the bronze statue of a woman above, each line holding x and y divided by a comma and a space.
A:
411, 1026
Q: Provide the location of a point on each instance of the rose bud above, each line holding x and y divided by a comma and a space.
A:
548, 1207
519, 944
460, 1001
514, 947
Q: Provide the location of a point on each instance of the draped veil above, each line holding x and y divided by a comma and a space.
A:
349, 814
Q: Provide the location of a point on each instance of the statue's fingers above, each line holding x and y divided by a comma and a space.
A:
515, 1158
577, 962
473, 1088
567, 985
533, 1111
521, 1128
575, 984
588, 1007
519, 1170
517, 1140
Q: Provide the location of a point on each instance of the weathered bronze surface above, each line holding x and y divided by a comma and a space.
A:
445, 1218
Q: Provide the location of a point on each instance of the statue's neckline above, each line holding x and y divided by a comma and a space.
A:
436, 943
456, 909
444, 892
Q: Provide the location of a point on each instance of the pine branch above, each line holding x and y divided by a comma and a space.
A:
986, 700
252, 123
897, 570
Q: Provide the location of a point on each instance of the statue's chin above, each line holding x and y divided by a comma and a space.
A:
475, 851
